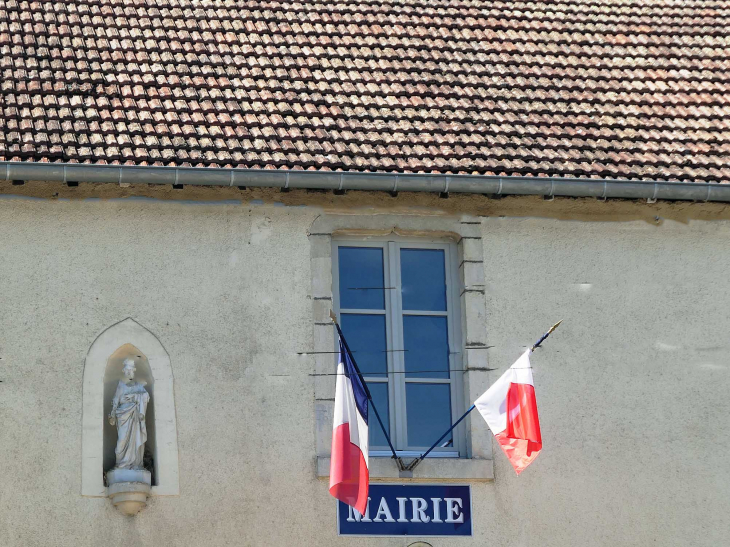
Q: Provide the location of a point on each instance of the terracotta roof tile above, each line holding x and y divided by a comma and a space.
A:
619, 88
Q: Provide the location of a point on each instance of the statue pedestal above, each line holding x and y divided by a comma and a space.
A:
128, 489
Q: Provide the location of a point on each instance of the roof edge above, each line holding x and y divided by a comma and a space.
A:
373, 181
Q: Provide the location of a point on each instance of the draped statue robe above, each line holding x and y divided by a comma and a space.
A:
129, 408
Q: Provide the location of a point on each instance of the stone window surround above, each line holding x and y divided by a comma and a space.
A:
465, 231
128, 331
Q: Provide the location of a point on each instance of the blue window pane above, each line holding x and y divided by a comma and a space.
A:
424, 279
379, 391
428, 411
365, 334
426, 341
361, 278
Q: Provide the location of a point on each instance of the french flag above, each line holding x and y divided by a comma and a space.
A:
510, 409
349, 474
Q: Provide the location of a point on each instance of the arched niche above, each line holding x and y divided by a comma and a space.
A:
102, 371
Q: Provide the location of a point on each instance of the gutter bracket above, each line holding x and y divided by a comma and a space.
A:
286, 184
602, 197
709, 189
551, 195
339, 191
64, 175
652, 199
445, 193
394, 191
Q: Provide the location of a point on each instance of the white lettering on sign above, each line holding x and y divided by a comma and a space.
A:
419, 510
402, 509
355, 515
436, 510
453, 510
383, 509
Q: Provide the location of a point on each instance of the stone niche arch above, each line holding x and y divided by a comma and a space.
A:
101, 373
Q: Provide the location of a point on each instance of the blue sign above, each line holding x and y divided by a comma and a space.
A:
409, 510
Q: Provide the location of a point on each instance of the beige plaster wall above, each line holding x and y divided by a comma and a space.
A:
632, 389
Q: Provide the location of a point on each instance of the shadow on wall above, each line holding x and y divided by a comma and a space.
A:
112, 376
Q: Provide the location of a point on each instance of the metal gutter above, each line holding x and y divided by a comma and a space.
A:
388, 182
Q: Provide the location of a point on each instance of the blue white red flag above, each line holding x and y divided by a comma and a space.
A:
510, 409
349, 474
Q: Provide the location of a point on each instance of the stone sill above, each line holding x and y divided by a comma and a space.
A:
429, 470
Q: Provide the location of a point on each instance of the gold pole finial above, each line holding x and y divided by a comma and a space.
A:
542, 338
555, 326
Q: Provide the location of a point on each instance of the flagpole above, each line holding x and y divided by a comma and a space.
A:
367, 391
418, 460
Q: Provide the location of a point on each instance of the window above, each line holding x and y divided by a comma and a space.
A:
397, 302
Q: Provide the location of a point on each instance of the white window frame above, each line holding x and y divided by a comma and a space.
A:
391, 246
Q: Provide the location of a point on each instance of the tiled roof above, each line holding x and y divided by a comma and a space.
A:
609, 88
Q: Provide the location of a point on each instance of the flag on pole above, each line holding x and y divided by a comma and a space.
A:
349, 474
510, 409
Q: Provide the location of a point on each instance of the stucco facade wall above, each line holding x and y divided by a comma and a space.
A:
632, 389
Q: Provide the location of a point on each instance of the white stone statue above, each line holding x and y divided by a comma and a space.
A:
129, 407
129, 483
